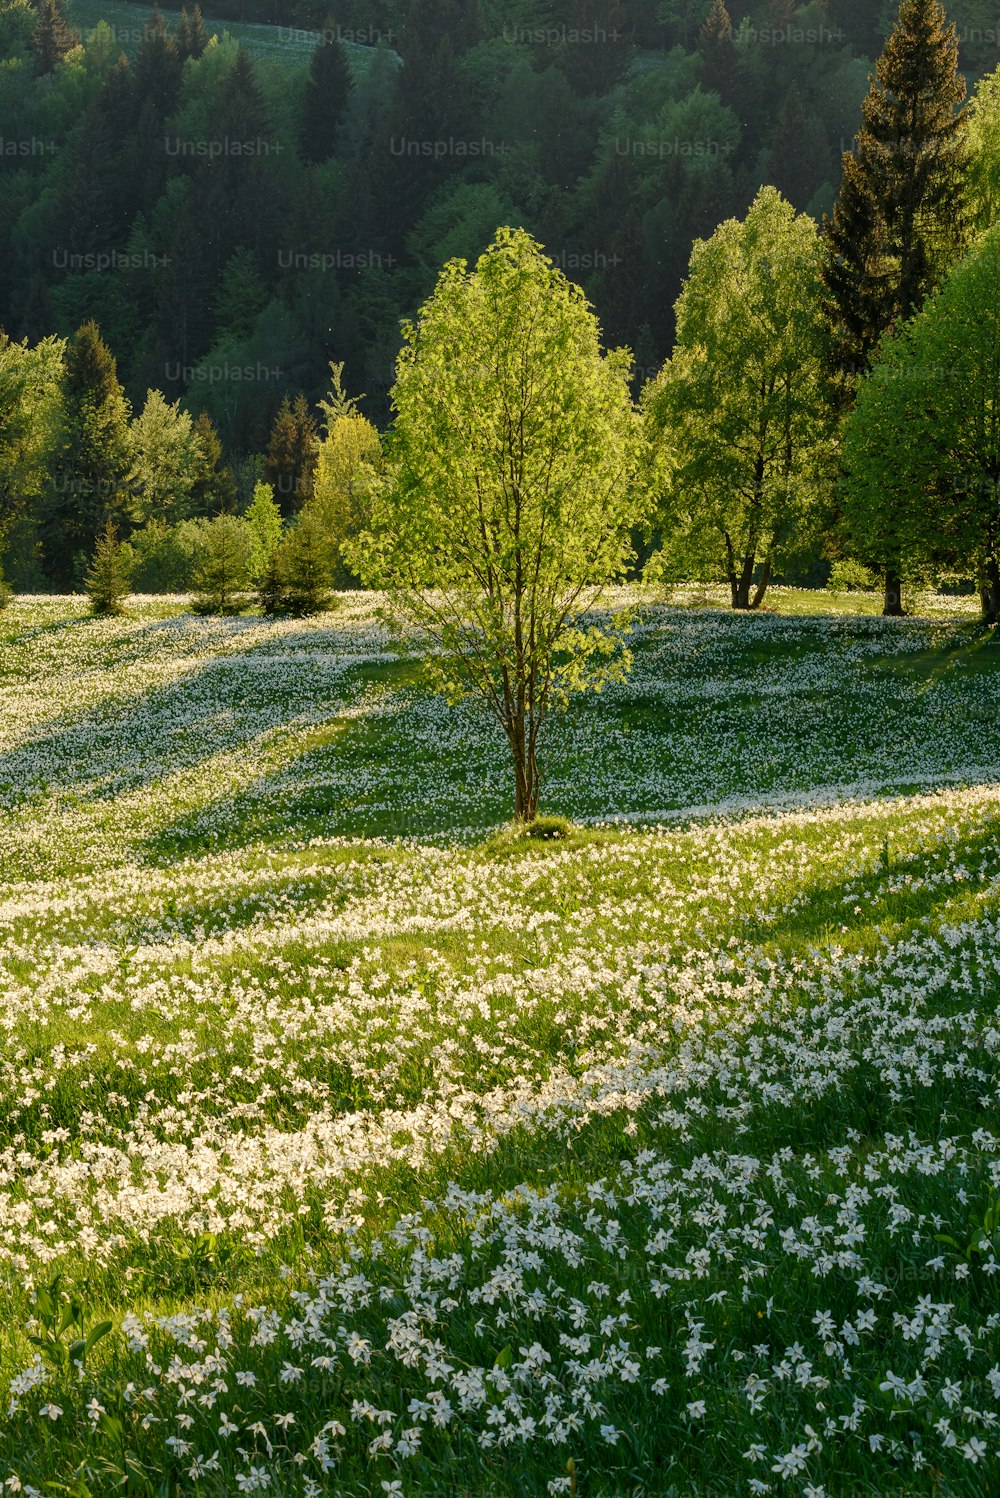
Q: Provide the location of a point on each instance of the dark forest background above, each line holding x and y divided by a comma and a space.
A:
236, 210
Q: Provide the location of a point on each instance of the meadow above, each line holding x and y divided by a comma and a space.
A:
352, 1145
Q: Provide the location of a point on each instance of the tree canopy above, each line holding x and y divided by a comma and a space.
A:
509, 494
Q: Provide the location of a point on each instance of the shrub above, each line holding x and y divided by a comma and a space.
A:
852, 577
164, 556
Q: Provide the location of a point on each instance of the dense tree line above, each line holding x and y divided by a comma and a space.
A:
162, 406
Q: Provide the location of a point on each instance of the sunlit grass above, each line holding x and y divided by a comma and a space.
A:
490, 1158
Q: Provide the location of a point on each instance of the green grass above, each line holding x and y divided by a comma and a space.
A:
397, 1146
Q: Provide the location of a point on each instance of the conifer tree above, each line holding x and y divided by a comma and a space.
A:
327, 94
108, 581
799, 160
291, 454
192, 38
264, 519
223, 565
212, 489
299, 573
900, 220
52, 37
92, 468
718, 62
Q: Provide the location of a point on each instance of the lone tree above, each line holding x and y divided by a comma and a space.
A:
900, 221
739, 417
922, 445
509, 495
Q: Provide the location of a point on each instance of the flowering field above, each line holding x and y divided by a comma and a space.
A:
352, 1147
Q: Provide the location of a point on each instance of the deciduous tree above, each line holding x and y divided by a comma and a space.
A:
508, 499
740, 412
922, 445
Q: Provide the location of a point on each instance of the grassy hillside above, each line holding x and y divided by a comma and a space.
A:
661, 1159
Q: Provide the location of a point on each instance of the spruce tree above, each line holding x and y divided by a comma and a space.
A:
212, 489
900, 220
223, 566
299, 573
192, 38
327, 94
717, 60
52, 37
291, 454
108, 581
92, 467
799, 159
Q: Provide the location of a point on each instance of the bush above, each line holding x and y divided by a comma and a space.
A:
222, 565
108, 581
299, 574
852, 577
164, 556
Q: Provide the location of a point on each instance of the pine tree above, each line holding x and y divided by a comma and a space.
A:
108, 581
192, 38
92, 467
717, 61
52, 37
212, 489
900, 220
291, 454
327, 95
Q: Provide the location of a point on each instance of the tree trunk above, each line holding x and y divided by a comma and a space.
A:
765, 578
741, 591
893, 606
526, 777
989, 591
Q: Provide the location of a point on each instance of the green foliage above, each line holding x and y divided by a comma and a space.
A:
223, 565
165, 458
163, 556
299, 572
847, 576
62, 1336
348, 458
984, 151
509, 497
901, 217
922, 446
109, 580
739, 418
30, 395
264, 519
93, 465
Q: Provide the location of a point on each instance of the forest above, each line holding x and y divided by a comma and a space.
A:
197, 227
